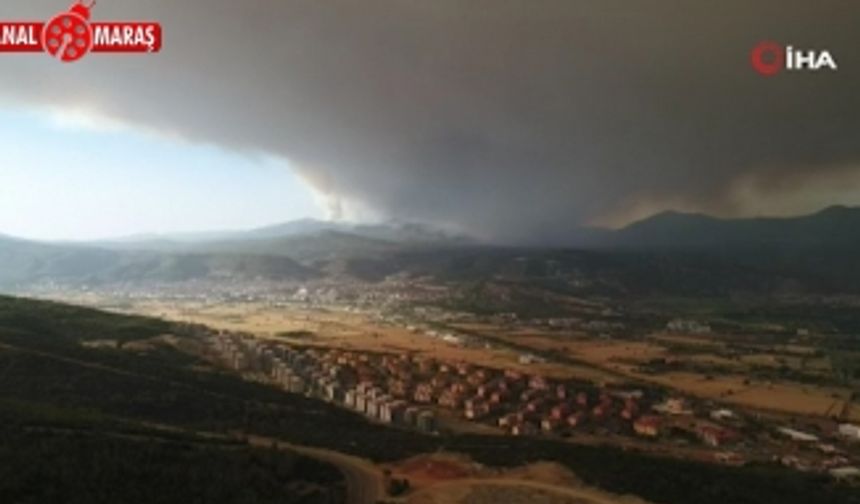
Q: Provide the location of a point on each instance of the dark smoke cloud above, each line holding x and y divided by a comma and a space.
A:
514, 119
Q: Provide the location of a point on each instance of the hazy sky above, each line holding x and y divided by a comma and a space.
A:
514, 119
68, 176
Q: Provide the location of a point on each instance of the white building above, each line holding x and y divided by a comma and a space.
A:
850, 431
796, 435
723, 414
846, 473
688, 327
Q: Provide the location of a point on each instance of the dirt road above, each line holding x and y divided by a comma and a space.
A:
365, 483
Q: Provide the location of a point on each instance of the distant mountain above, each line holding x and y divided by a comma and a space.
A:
167, 240
412, 233
305, 240
392, 231
308, 248
834, 227
24, 263
298, 250
669, 253
292, 228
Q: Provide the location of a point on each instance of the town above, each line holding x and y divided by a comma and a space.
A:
418, 392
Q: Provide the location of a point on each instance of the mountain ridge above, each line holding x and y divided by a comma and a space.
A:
818, 252
828, 227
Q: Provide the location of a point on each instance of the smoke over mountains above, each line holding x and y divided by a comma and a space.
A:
516, 121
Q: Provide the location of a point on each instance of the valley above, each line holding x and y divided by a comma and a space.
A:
65, 369
707, 393
409, 346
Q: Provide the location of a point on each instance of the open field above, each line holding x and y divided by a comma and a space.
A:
737, 387
509, 492
347, 330
604, 360
167, 387
453, 479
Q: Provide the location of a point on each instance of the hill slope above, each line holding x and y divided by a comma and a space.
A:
834, 227
76, 422
673, 253
74, 426
281, 239
25, 263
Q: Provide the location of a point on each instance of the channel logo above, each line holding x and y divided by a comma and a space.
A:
70, 35
771, 58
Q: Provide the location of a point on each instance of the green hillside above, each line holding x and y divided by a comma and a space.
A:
71, 418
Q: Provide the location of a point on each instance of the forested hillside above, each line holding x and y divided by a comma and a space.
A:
81, 394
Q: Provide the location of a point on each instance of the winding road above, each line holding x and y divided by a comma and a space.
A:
365, 483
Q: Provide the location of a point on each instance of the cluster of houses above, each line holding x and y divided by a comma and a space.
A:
688, 327
410, 391
407, 390
343, 378
675, 418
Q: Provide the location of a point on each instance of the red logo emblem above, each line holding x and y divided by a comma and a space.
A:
768, 58
70, 35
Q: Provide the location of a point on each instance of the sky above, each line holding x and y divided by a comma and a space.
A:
67, 176
514, 120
